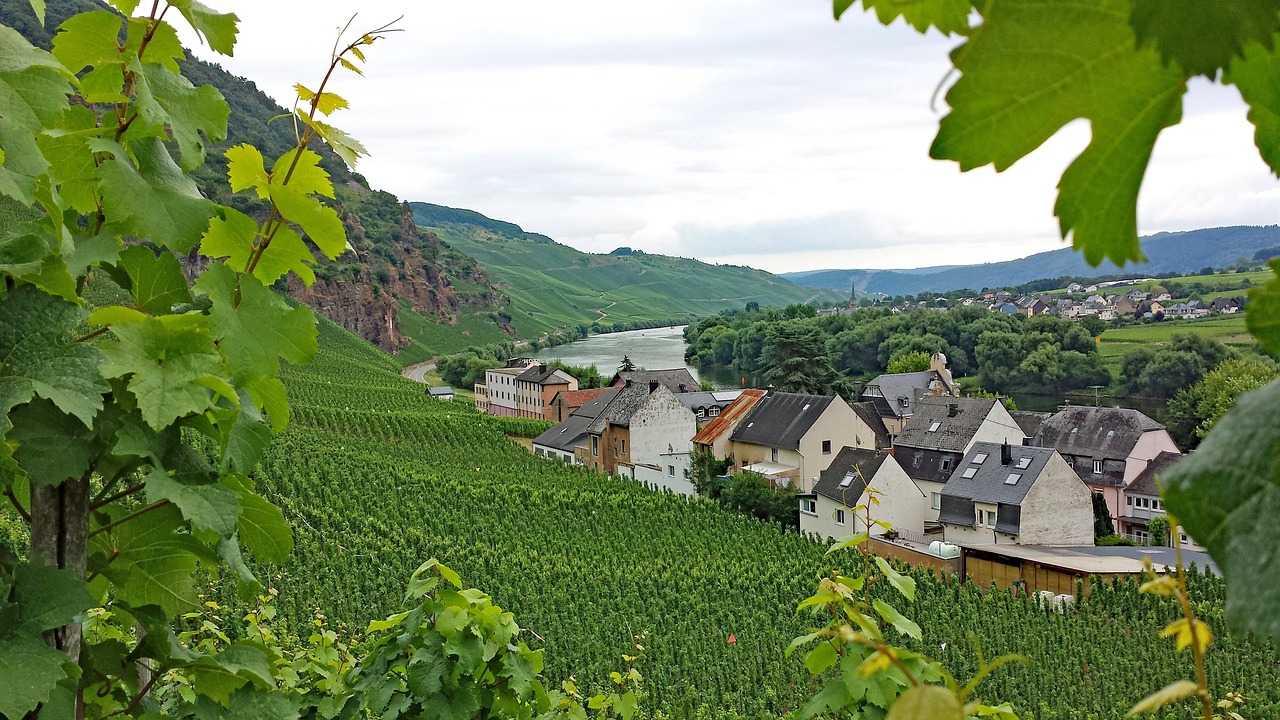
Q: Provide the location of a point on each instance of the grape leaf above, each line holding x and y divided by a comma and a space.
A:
250, 704
286, 253
189, 112
52, 446
88, 40
948, 16
164, 49
29, 672
262, 526
208, 505
1255, 76
320, 222
169, 358
255, 333
155, 280
247, 440
1226, 495
1034, 66
347, 147
307, 176
230, 235
1203, 37
217, 29
1263, 313
39, 360
70, 161
49, 597
229, 552
158, 201
246, 169
927, 702
269, 394
126, 7
38, 6
150, 562
33, 92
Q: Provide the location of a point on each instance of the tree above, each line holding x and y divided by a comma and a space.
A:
1158, 531
916, 361
794, 359
751, 493
627, 365
1193, 411
1102, 525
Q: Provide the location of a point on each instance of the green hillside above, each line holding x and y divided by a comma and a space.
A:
376, 478
555, 286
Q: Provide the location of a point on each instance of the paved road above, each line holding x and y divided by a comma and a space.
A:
418, 372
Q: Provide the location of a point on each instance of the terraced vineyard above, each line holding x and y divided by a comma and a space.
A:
376, 478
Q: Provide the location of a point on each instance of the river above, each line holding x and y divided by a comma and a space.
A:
663, 348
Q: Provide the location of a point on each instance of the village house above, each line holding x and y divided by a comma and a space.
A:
707, 405
562, 440
715, 436
895, 394
1142, 502
567, 401
941, 432
1002, 493
790, 438
644, 433
537, 386
1107, 447
499, 394
677, 380
828, 509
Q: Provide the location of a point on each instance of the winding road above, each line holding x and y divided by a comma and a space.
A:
417, 372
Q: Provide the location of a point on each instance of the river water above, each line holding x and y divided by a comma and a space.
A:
663, 349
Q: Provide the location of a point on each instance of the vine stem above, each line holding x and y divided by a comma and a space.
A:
131, 516
1184, 597
8, 492
122, 494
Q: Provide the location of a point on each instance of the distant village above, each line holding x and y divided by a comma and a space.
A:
1134, 304
1014, 496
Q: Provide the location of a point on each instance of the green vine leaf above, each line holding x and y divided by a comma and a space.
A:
1226, 495
927, 702
217, 29
1035, 65
149, 559
204, 502
1171, 693
900, 622
48, 597
1203, 37
947, 16
1263, 313
33, 92
156, 200
1254, 75
170, 360
52, 446
39, 359
262, 526
88, 40
187, 110
261, 328
29, 672
155, 280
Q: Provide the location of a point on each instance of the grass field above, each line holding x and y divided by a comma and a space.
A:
1234, 284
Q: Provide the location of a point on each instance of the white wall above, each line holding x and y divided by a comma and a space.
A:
928, 489
1058, 509
662, 428
999, 427
902, 505
670, 474
838, 424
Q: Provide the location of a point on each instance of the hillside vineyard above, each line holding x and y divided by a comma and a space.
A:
375, 477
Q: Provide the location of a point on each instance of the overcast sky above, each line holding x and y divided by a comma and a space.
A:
752, 132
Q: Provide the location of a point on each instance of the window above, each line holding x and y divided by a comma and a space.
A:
1155, 504
979, 458
1024, 463
624, 447
944, 464
1013, 479
595, 444
1129, 501
846, 480
809, 506
713, 412
839, 517
671, 470
935, 501
933, 426
1097, 467
969, 472
991, 518
773, 454
826, 447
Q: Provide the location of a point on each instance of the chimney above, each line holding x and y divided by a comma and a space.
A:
953, 409
628, 383
1006, 453
653, 386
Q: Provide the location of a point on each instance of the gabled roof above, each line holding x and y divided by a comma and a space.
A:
1029, 421
578, 398
731, 414
700, 399
593, 407
850, 472
1145, 482
619, 410
677, 380
440, 391
871, 416
781, 419
899, 390
544, 375
948, 423
566, 435
990, 484
1095, 432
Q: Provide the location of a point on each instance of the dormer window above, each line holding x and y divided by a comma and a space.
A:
1097, 467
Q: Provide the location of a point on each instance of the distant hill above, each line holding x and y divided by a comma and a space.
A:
555, 286
1180, 252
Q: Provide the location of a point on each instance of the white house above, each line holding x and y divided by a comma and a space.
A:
828, 510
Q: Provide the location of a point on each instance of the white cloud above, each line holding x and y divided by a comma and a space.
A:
755, 132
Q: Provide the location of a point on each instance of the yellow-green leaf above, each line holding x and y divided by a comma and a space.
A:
1171, 693
1184, 633
927, 702
246, 169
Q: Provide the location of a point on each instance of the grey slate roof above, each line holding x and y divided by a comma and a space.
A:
1145, 483
703, 400
593, 407
440, 391
781, 419
958, 419
871, 416
621, 408
858, 465
677, 380
566, 435
1029, 421
900, 390
1095, 432
988, 485
543, 375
